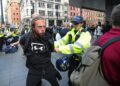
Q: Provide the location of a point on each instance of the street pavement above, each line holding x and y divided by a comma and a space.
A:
13, 71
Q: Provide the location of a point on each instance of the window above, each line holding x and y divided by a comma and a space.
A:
41, 4
50, 0
42, 13
65, 12
57, 6
49, 5
58, 14
71, 13
74, 14
50, 13
26, 1
27, 12
32, 11
16, 8
57, 0
73, 8
13, 13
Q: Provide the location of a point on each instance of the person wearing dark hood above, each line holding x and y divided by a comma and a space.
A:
37, 46
106, 27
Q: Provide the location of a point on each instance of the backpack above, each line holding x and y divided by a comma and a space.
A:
89, 72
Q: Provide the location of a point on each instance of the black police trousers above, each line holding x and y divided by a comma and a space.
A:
1, 43
46, 72
73, 65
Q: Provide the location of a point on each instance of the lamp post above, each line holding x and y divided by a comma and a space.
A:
81, 2
66, 11
2, 17
57, 14
33, 7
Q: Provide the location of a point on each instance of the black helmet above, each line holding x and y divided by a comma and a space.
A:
77, 19
63, 64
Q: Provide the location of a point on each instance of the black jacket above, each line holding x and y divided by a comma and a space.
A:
37, 50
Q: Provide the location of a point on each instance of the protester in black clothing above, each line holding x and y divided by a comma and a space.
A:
64, 29
38, 45
106, 27
1, 39
86, 28
25, 30
92, 29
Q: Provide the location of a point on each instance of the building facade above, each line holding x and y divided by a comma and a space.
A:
92, 17
55, 11
25, 9
13, 12
74, 11
92, 11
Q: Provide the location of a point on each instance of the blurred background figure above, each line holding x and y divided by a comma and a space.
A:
2, 36
106, 27
110, 62
65, 29
98, 30
35, 15
25, 29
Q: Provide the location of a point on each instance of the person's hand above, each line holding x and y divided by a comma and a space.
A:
15, 43
57, 50
12, 44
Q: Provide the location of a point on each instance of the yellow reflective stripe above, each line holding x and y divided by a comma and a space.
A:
71, 48
79, 44
14, 35
1, 35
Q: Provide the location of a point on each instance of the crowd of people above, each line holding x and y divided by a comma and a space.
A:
8, 35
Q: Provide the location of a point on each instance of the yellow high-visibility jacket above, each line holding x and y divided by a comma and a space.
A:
76, 46
1, 33
15, 33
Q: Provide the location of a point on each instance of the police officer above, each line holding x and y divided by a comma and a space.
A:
1, 38
74, 42
25, 29
8, 35
37, 46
